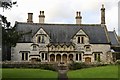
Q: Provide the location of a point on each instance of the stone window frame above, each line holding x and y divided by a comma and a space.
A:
34, 48
42, 56
71, 47
78, 57
41, 38
80, 39
24, 55
87, 48
65, 47
97, 56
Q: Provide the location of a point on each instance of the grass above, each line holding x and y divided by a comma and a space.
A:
96, 72
27, 73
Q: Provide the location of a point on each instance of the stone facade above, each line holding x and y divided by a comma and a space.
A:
63, 42
60, 52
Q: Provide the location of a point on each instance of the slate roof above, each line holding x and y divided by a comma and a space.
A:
113, 38
63, 33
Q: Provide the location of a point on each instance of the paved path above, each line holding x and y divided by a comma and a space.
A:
62, 75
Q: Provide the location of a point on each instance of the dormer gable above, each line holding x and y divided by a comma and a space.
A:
81, 33
41, 36
81, 37
41, 31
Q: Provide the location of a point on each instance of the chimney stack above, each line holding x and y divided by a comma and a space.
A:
41, 17
102, 15
30, 18
78, 18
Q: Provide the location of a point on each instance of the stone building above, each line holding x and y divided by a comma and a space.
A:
63, 42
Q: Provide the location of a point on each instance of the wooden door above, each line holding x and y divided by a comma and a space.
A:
87, 59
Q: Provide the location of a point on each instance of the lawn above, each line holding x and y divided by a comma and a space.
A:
28, 73
96, 72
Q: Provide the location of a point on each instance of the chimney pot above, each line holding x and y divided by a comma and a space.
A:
102, 5
79, 13
78, 18
40, 12
30, 18
102, 15
76, 14
41, 17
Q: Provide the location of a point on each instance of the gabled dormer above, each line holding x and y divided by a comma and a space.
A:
41, 37
81, 37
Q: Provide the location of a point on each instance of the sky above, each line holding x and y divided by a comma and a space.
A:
64, 11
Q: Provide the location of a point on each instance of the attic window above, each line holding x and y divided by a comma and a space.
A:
80, 39
41, 39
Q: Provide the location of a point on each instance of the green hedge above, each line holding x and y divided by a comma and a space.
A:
75, 65
32, 65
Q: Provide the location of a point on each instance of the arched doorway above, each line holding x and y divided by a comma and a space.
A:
52, 58
58, 57
64, 58
87, 59
71, 57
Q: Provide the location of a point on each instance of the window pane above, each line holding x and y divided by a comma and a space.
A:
77, 57
38, 39
34, 48
88, 48
26, 56
82, 39
43, 39
22, 56
99, 57
78, 39
95, 57
80, 57
45, 56
42, 56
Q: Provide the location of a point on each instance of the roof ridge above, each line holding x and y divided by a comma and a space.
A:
58, 24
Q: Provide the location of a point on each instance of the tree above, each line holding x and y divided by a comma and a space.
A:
9, 35
7, 4
9, 38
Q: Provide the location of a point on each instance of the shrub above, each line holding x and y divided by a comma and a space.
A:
117, 62
76, 65
47, 67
